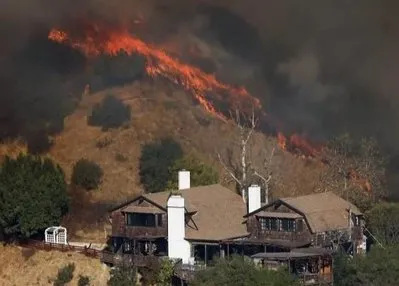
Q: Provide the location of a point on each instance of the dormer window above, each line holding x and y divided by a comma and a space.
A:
141, 219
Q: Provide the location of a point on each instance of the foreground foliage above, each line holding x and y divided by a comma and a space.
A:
33, 195
83, 281
380, 267
64, 275
87, 174
201, 174
155, 162
242, 272
383, 222
123, 275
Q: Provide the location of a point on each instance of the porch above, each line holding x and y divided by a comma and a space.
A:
310, 266
139, 251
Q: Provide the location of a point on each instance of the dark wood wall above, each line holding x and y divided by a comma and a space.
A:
121, 229
256, 232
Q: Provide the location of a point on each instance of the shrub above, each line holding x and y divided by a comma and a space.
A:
123, 275
65, 275
38, 143
33, 195
103, 142
110, 113
83, 281
116, 70
87, 174
242, 271
155, 162
121, 158
201, 174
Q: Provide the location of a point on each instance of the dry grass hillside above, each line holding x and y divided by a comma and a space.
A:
20, 266
158, 110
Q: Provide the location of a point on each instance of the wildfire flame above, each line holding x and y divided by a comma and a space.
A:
358, 180
96, 41
298, 144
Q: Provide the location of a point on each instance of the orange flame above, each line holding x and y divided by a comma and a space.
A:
159, 63
298, 144
358, 180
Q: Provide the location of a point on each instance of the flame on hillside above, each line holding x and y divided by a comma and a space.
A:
96, 41
299, 145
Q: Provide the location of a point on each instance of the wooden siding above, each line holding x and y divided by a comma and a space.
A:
256, 232
121, 229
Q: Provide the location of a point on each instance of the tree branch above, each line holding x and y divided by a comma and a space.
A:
231, 173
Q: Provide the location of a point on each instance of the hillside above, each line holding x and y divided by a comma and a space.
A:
21, 266
158, 110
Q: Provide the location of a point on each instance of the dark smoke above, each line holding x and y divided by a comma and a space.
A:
320, 67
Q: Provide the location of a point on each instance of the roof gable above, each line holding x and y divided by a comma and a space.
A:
216, 212
322, 211
128, 203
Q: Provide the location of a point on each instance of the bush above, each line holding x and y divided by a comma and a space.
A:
83, 281
123, 275
155, 162
87, 174
33, 195
116, 70
383, 222
379, 267
110, 113
65, 275
242, 271
38, 143
201, 174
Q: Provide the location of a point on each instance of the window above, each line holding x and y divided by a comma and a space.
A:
299, 225
287, 224
267, 223
159, 219
141, 219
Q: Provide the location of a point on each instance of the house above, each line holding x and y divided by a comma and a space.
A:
321, 220
194, 225
188, 225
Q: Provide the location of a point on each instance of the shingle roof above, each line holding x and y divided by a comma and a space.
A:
218, 212
323, 211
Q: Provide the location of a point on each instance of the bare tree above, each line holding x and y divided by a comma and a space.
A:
243, 172
266, 175
357, 165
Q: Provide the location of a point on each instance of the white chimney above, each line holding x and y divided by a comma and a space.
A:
178, 247
184, 180
254, 198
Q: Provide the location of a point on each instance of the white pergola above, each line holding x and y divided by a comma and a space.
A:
56, 234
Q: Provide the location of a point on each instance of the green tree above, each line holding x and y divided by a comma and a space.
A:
383, 222
33, 195
240, 271
87, 174
380, 267
123, 275
165, 273
201, 174
155, 162
110, 113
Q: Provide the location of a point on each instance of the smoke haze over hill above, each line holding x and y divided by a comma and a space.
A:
320, 67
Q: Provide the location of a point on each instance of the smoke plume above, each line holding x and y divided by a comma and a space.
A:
320, 67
